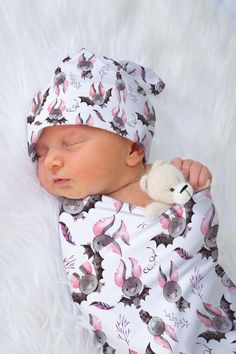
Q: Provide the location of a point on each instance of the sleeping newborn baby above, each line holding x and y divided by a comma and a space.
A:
147, 286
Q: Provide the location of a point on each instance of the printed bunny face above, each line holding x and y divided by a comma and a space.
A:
220, 319
171, 289
100, 335
132, 286
87, 282
72, 206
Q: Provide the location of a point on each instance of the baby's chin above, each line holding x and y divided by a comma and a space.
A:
70, 195
64, 193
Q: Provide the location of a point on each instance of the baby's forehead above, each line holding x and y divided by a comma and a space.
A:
67, 132
61, 130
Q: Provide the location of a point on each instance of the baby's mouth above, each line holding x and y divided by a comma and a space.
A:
61, 181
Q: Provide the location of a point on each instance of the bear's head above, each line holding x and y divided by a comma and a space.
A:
165, 183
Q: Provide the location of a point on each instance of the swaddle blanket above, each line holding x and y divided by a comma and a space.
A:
149, 286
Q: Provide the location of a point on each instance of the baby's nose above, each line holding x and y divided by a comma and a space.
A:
53, 160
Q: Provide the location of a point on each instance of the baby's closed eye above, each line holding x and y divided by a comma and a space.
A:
40, 153
71, 145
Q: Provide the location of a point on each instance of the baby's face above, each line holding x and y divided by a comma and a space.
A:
77, 161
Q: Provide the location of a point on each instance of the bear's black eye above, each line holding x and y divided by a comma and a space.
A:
172, 189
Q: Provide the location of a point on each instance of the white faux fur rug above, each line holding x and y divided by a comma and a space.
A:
192, 45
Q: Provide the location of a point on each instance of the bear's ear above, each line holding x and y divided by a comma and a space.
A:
157, 163
143, 183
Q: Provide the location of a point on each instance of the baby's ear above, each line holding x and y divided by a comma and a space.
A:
136, 155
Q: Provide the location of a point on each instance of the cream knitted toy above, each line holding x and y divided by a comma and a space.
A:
166, 185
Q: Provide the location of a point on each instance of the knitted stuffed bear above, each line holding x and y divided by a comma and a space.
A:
166, 185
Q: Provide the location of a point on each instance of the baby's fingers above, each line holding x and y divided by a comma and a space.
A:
205, 178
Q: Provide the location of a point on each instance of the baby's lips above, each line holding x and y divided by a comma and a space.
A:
60, 180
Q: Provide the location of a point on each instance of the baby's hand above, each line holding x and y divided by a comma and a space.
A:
195, 172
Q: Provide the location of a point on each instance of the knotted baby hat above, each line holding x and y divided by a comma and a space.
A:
98, 92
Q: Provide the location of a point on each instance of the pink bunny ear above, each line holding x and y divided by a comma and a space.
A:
145, 141
136, 269
132, 207
115, 247
125, 95
78, 119
102, 225
40, 97
162, 279
89, 121
146, 109
118, 205
92, 91
52, 105
132, 351
212, 309
123, 117
86, 268
136, 137
204, 319
65, 86
62, 106
115, 111
171, 332
123, 233
162, 342
207, 220
56, 89
92, 59
164, 221
118, 96
173, 272
95, 322
33, 106
101, 89
81, 58
120, 274
33, 138
178, 209
75, 280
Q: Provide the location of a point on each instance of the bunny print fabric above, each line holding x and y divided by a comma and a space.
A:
149, 286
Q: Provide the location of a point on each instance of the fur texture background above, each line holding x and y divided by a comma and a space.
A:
192, 45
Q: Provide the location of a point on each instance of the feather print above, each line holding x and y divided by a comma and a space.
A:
182, 253
66, 233
102, 305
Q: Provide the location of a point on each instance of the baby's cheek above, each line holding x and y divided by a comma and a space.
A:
41, 175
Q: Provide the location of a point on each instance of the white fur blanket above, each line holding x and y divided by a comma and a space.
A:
192, 45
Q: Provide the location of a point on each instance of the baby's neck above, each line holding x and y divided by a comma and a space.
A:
132, 192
